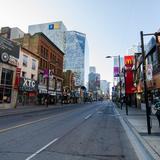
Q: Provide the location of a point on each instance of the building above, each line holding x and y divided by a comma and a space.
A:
11, 33
94, 84
50, 69
55, 31
76, 56
27, 84
105, 88
9, 54
92, 69
152, 72
72, 43
69, 80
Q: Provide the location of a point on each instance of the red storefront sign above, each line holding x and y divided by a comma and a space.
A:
128, 61
17, 79
130, 88
32, 94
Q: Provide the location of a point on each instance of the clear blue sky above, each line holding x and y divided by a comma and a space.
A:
111, 26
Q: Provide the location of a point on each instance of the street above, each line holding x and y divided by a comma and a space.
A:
89, 131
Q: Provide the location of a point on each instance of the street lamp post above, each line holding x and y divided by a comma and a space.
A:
120, 84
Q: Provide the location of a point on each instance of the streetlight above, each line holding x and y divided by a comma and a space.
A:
120, 86
148, 109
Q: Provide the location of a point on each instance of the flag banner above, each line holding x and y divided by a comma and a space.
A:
45, 73
121, 63
116, 61
129, 88
116, 71
149, 72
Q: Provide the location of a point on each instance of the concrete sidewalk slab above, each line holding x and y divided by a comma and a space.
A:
136, 120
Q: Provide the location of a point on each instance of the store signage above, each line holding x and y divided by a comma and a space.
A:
51, 74
9, 51
46, 73
28, 84
129, 86
17, 79
9, 59
116, 71
149, 72
128, 61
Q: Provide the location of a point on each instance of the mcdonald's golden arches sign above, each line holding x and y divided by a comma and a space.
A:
128, 61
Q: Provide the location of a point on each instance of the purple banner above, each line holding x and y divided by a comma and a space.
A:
116, 71
45, 73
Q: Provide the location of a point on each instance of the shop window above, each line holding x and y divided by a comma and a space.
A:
32, 76
6, 85
25, 60
24, 74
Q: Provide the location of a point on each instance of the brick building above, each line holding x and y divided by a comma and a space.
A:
50, 69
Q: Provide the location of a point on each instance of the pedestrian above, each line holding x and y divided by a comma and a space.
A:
122, 101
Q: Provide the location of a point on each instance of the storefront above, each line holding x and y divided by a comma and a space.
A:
6, 85
43, 94
27, 93
9, 54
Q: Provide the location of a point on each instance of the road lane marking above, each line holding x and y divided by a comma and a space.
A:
43, 148
87, 117
24, 124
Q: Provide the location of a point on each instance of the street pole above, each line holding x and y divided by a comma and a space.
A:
125, 92
120, 86
148, 111
47, 87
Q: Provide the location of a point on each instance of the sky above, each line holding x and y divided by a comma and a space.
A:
111, 26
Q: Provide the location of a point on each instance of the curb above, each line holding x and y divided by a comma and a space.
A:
142, 148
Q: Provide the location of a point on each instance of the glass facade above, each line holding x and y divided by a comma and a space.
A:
76, 56
72, 43
54, 31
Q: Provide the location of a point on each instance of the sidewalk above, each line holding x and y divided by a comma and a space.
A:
137, 119
30, 108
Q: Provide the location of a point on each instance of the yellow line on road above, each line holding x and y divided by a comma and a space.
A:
24, 124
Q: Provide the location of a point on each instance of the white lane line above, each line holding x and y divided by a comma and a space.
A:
40, 150
87, 117
24, 124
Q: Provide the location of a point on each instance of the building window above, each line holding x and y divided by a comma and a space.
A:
25, 60
6, 86
32, 76
23, 74
33, 64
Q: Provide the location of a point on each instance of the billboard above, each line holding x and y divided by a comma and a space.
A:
129, 86
9, 51
128, 61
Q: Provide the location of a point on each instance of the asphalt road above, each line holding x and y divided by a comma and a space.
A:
83, 132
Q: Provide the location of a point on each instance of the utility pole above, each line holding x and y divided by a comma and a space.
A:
148, 110
125, 91
120, 84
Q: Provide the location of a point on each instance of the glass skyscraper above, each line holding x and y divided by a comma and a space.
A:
55, 31
72, 43
77, 56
